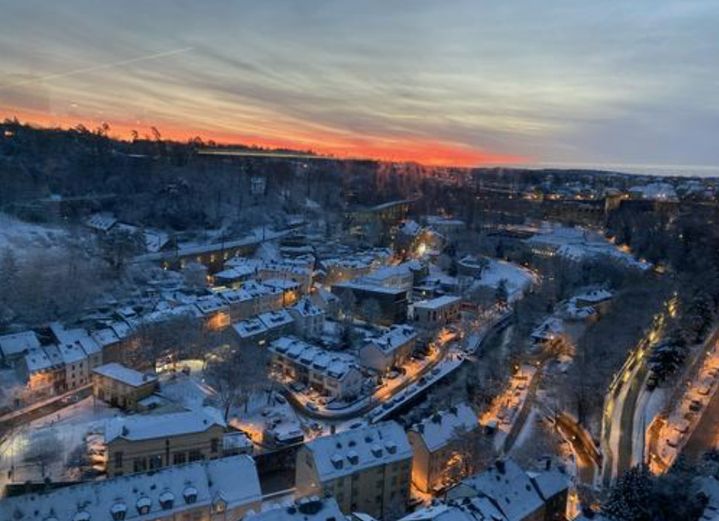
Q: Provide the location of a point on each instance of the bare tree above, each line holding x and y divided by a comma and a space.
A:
45, 448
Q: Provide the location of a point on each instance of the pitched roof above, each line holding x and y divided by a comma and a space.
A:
440, 428
357, 449
125, 374
147, 427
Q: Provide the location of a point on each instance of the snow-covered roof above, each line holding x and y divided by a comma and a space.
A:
508, 485
236, 440
210, 304
304, 509
16, 344
275, 319
549, 482
147, 427
550, 329
249, 328
37, 360
281, 284
442, 427
332, 364
594, 296
358, 449
394, 338
305, 308
410, 228
125, 374
71, 353
468, 509
105, 337
165, 492
438, 302
235, 273
101, 221
656, 191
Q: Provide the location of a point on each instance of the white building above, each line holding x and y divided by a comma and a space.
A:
392, 349
309, 318
199, 491
365, 470
331, 374
437, 312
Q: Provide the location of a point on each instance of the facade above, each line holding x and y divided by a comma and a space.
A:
200, 491
365, 470
443, 447
121, 386
392, 349
391, 303
331, 374
308, 318
149, 442
437, 312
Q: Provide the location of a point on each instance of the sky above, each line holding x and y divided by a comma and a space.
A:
457, 82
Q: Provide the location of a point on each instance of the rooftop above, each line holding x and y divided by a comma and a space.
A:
124, 374
147, 427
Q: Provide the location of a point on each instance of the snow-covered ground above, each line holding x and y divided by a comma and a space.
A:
518, 279
57, 436
26, 238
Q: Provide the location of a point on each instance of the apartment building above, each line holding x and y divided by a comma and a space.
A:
331, 374
149, 442
443, 447
308, 318
437, 312
391, 349
200, 491
365, 470
121, 386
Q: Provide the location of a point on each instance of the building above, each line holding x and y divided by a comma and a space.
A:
44, 371
444, 447
466, 509
304, 509
309, 319
214, 311
392, 349
14, 347
149, 442
518, 494
437, 312
199, 491
377, 304
121, 386
331, 374
365, 470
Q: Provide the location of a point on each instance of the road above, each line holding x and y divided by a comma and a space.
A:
30, 413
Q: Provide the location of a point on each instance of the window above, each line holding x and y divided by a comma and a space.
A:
194, 455
139, 465
118, 460
214, 445
178, 458
155, 462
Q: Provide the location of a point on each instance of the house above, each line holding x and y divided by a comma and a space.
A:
550, 334
251, 332
332, 374
378, 304
121, 386
14, 346
44, 370
201, 491
437, 312
365, 470
444, 447
308, 318
214, 311
391, 349
466, 509
234, 277
303, 509
277, 322
153, 441
519, 495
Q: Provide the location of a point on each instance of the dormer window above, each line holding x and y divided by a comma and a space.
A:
190, 495
143, 505
118, 511
167, 499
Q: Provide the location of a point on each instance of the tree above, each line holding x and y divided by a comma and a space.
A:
501, 294
119, 246
45, 448
640, 496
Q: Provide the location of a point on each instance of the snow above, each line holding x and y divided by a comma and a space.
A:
124, 374
17, 343
517, 278
27, 239
207, 480
358, 449
439, 302
146, 427
439, 429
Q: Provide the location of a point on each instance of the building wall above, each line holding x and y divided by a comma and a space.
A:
381, 491
120, 394
161, 452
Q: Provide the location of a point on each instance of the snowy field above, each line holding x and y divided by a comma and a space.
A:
518, 279
23, 238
